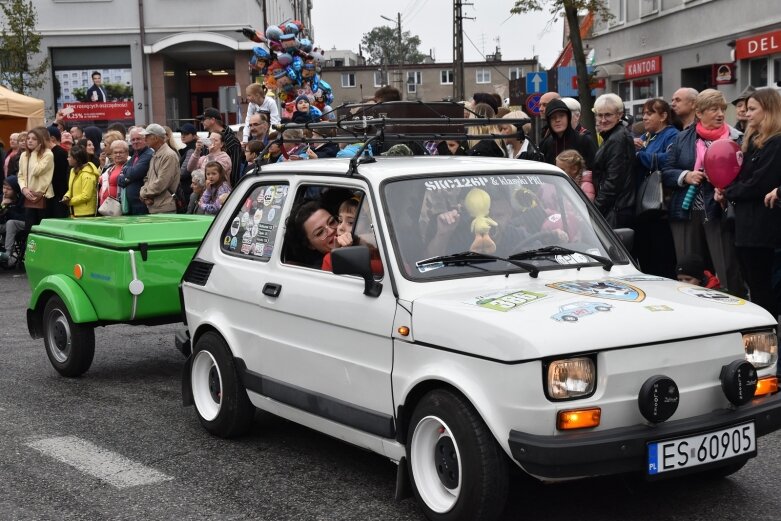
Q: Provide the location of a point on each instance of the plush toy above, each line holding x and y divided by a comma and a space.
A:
478, 204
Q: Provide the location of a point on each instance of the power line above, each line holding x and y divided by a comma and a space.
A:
483, 56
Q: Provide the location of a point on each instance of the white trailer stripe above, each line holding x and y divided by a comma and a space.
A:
103, 464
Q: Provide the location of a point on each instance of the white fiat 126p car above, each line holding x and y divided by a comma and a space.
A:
460, 315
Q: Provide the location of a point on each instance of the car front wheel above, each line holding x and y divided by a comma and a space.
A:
69, 346
220, 398
457, 469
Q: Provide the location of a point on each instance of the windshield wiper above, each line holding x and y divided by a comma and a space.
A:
548, 251
465, 258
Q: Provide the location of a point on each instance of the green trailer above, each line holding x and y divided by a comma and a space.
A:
92, 272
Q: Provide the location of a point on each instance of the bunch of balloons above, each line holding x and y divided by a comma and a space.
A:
289, 63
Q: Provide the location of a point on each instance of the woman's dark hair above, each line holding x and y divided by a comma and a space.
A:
95, 135
79, 154
92, 158
659, 106
297, 250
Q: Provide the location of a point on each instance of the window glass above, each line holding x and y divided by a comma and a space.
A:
777, 71
624, 90
253, 230
643, 88
348, 79
758, 72
446, 77
380, 78
483, 76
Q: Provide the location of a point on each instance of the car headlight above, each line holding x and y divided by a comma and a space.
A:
571, 378
761, 348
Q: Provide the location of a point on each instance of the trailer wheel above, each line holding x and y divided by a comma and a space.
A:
70, 347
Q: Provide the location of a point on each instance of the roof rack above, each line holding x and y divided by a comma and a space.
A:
369, 124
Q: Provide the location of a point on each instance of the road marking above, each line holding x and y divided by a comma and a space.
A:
103, 464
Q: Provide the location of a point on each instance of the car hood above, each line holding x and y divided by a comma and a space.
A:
550, 317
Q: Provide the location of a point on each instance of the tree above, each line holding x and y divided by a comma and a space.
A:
571, 9
19, 43
382, 46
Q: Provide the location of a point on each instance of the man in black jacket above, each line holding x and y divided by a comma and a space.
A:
563, 137
212, 122
61, 174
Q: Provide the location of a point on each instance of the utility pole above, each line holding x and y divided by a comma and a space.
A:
401, 52
458, 51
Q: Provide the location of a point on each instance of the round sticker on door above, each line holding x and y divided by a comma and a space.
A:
235, 225
258, 216
270, 215
254, 230
268, 198
245, 219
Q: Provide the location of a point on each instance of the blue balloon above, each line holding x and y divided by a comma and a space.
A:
297, 64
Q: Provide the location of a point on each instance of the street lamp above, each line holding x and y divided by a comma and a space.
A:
401, 50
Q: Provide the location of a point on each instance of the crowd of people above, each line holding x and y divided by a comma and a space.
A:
732, 232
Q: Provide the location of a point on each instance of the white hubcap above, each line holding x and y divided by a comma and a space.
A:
436, 464
206, 382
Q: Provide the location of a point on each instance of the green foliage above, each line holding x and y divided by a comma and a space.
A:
19, 43
381, 46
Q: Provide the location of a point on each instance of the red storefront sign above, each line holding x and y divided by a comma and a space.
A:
643, 67
759, 45
110, 110
596, 83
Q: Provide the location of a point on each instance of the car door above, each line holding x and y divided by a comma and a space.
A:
327, 348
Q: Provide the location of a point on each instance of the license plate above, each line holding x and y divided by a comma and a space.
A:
700, 449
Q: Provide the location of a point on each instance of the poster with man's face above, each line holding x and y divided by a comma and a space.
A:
95, 95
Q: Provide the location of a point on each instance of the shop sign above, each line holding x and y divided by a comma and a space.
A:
723, 73
643, 67
759, 45
110, 110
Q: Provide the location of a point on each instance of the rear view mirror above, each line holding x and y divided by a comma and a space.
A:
356, 260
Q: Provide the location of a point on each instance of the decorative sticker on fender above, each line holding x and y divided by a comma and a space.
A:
608, 288
661, 307
507, 300
577, 310
711, 295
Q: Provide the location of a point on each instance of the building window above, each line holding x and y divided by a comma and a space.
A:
648, 7
635, 93
758, 72
482, 76
515, 73
348, 79
618, 10
446, 77
414, 78
380, 78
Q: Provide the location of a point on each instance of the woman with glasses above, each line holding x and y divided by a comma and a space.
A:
613, 170
700, 228
310, 233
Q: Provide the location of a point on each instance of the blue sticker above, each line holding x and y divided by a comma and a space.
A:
577, 310
608, 288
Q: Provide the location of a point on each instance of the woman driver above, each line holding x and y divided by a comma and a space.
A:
310, 233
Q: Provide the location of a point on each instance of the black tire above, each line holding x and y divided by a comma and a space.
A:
456, 467
569, 318
70, 347
220, 399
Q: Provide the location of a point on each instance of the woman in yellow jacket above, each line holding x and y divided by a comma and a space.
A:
82, 195
36, 169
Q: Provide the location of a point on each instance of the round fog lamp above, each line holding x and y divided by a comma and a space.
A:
658, 398
739, 381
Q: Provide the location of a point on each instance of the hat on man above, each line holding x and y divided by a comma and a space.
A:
54, 131
154, 130
188, 128
210, 113
743, 96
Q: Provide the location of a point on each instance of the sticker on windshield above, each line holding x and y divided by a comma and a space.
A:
575, 258
507, 300
609, 289
423, 267
712, 295
577, 310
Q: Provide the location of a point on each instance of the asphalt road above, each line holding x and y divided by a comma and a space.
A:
149, 458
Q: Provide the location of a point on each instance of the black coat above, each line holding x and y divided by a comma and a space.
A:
554, 145
756, 225
613, 172
486, 147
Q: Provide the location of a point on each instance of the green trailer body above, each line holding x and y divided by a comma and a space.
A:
106, 270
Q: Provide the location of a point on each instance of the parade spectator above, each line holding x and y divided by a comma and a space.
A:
189, 137
13, 150
12, 159
258, 128
36, 169
87, 145
255, 95
95, 135
451, 148
387, 93
487, 98
135, 170
323, 150
310, 233
740, 107
76, 132
118, 127
12, 217
66, 140
162, 180
212, 122
105, 157
757, 226
197, 184
683, 102
109, 178
653, 245
96, 92
701, 229
2, 159
61, 174
81, 198
517, 144
485, 146
170, 140
252, 151
216, 188
274, 152
613, 164
545, 100
209, 149
573, 164
269, 106
574, 107
563, 137
691, 270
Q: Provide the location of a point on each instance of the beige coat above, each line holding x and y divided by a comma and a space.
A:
36, 173
162, 180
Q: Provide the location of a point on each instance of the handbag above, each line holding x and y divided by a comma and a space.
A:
110, 207
650, 197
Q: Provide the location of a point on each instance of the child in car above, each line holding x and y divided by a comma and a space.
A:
344, 234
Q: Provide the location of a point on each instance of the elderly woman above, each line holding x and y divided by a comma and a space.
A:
197, 185
119, 152
757, 226
18, 145
654, 246
700, 228
613, 163
209, 149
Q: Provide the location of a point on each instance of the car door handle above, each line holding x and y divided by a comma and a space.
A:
272, 290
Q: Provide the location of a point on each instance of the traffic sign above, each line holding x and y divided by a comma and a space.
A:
533, 104
596, 83
537, 82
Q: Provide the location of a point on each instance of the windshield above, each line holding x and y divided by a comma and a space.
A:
473, 225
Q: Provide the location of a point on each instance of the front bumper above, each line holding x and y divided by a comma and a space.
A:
623, 450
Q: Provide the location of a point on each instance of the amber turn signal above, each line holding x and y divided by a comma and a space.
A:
404, 331
766, 385
78, 271
578, 419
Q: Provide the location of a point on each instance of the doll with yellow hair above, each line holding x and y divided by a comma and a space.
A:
478, 204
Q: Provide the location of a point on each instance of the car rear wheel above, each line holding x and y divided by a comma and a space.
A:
69, 346
220, 398
457, 469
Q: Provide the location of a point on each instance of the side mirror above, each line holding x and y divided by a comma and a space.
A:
627, 237
356, 260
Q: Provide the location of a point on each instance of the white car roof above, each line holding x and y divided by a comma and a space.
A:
389, 167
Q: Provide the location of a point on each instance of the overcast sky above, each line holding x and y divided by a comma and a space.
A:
342, 24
